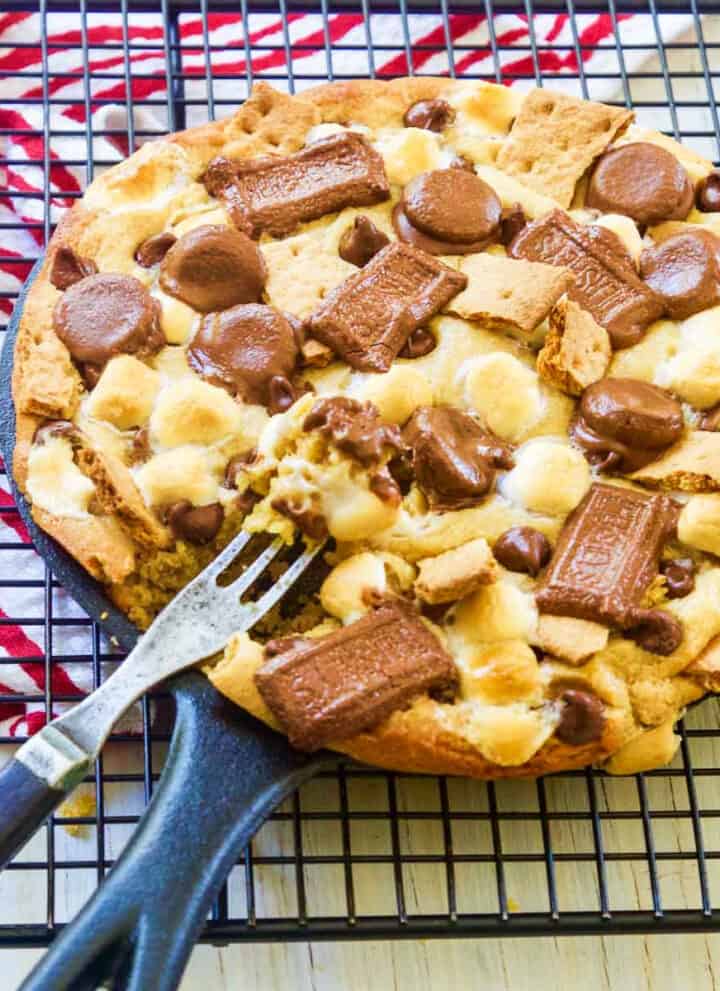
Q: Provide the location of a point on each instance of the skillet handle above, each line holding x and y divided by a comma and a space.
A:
224, 774
26, 801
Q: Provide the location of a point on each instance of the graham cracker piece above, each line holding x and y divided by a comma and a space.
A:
455, 573
509, 294
555, 138
577, 349
572, 640
691, 465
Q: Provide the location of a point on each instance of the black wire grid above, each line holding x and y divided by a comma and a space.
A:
362, 852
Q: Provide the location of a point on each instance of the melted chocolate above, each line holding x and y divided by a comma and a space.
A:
419, 343
195, 524
606, 283
273, 195
334, 687
361, 242
370, 316
307, 519
655, 630
105, 315
684, 271
679, 577
430, 115
250, 350
624, 424
453, 458
642, 181
707, 194
68, 267
582, 719
213, 268
523, 549
512, 221
355, 428
153, 250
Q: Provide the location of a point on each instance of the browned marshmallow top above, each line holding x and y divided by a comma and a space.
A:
684, 271
623, 424
448, 212
370, 316
273, 195
68, 267
330, 688
707, 194
430, 115
642, 181
453, 458
523, 549
212, 268
606, 556
250, 350
361, 241
354, 428
105, 315
606, 283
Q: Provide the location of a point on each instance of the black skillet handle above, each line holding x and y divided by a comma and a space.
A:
224, 774
26, 802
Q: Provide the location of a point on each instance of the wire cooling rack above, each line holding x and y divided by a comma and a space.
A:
356, 852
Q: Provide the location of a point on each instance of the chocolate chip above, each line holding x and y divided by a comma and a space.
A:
707, 194
642, 181
68, 267
213, 268
196, 524
512, 221
582, 719
523, 549
153, 249
679, 576
430, 115
361, 241
684, 270
105, 315
656, 631
419, 343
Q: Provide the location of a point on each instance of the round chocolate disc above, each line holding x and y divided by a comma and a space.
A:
452, 205
642, 181
246, 349
635, 413
105, 315
685, 271
213, 268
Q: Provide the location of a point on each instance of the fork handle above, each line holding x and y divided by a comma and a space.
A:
224, 774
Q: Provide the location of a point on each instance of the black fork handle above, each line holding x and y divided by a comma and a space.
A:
224, 774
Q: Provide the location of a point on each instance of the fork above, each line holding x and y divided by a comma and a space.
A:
194, 626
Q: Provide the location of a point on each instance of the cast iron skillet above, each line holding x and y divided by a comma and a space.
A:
225, 772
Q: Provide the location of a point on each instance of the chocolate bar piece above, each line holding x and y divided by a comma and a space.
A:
273, 195
607, 555
336, 686
606, 283
370, 316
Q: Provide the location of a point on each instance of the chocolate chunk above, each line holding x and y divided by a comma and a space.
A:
384, 486
419, 343
105, 315
306, 518
245, 349
642, 181
68, 267
684, 271
512, 221
274, 195
361, 241
448, 212
453, 458
370, 316
213, 268
707, 194
153, 249
333, 687
524, 549
655, 630
430, 115
624, 424
582, 719
606, 283
679, 576
355, 428
195, 524
607, 555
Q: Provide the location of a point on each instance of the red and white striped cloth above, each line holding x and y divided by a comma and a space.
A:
269, 43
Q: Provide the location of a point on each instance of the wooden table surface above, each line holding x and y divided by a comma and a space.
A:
635, 963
